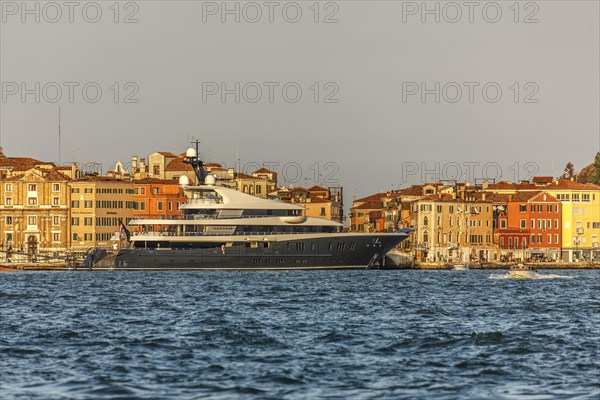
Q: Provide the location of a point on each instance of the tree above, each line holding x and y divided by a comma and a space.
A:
569, 171
596, 176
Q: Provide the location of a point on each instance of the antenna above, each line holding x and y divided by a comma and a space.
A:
59, 158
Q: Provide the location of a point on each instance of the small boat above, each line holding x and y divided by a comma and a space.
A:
521, 271
460, 267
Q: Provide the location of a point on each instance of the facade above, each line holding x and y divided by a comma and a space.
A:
580, 213
155, 198
453, 229
528, 225
97, 205
269, 176
34, 209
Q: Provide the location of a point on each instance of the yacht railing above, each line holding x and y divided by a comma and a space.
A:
186, 234
202, 217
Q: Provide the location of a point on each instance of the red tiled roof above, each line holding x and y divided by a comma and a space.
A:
177, 164
318, 188
166, 153
569, 184
263, 171
369, 205
241, 175
543, 179
318, 199
155, 181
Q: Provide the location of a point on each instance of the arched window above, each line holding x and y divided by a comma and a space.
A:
425, 221
425, 236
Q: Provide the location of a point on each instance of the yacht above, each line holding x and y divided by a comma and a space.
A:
521, 271
221, 229
460, 267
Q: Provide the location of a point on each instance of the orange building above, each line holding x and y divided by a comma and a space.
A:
157, 198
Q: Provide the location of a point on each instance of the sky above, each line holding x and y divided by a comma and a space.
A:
370, 95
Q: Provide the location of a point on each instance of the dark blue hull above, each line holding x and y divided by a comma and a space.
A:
335, 252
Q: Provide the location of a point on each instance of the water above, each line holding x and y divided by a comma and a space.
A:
333, 334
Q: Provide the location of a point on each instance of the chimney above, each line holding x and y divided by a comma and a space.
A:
74, 171
133, 164
483, 196
143, 168
510, 197
485, 184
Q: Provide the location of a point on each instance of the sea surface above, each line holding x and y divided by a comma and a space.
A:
299, 334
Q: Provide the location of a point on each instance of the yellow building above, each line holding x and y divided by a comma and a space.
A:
34, 202
448, 228
580, 203
97, 205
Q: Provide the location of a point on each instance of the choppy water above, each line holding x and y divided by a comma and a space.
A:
334, 334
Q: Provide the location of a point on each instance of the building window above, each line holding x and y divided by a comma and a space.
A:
258, 189
540, 238
549, 239
9, 220
88, 221
575, 196
8, 187
74, 190
75, 221
532, 239
32, 201
142, 205
503, 224
32, 221
585, 197
555, 239
425, 221
88, 204
75, 204
523, 224
143, 191
170, 205
75, 236
322, 210
8, 201
87, 236
159, 206
56, 187
56, 236
55, 220
32, 187
88, 190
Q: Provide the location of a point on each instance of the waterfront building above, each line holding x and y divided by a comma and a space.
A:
527, 225
580, 212
97, 206
157, 198
453, 229
34, 206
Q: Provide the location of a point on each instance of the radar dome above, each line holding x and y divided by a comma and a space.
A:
184, 180
210, 180
191, 153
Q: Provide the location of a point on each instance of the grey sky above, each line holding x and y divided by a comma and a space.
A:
369, 133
